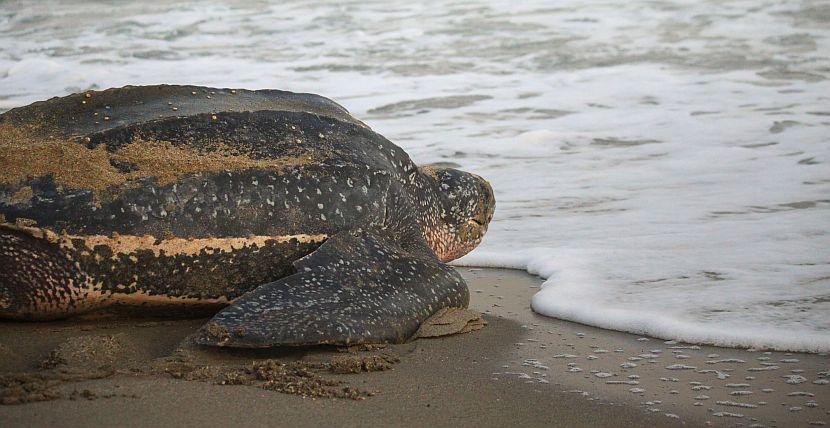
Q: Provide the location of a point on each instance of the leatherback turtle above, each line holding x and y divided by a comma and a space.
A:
303, 223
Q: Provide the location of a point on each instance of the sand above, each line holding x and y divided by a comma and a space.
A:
520, 369
71, 163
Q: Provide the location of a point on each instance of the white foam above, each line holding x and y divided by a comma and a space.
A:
667, 174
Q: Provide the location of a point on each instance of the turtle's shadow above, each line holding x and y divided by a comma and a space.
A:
212, 354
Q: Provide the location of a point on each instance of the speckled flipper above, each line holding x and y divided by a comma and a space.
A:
358, 287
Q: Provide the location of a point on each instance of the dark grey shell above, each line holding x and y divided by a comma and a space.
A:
343, 187
233, 187
344, 157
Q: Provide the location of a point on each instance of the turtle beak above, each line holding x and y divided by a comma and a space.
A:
487, 204
469, 236
472, 232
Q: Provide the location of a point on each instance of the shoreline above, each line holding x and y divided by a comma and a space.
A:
545, 302
695, 384
522, 369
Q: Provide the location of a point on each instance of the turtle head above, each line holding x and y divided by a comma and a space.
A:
460, 208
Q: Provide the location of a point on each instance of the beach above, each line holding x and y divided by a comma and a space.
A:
521, 369
659, 171
661, 164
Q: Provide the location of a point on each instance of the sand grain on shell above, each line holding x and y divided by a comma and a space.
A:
73, 165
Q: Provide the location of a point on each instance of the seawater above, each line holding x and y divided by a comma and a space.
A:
664, 165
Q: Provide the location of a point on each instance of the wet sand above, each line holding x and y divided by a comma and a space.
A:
690, 384
520, 369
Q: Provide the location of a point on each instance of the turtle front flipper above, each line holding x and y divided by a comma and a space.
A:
358, 287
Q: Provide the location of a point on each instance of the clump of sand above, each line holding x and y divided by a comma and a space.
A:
451, 321
302, 378
357, 364
91, 352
